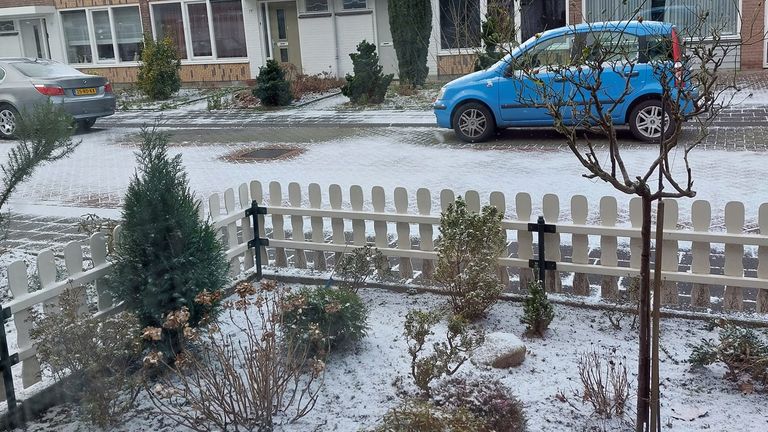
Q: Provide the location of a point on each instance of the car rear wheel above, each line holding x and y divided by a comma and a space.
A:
8, 116
645, 121
474, 122
86, 124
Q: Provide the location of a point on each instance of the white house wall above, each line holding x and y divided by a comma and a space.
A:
318, 45
352, 29
254, 39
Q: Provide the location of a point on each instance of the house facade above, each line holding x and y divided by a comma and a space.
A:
228, 40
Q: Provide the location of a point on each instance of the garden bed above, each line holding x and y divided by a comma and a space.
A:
131, 99
361, 382
420, 99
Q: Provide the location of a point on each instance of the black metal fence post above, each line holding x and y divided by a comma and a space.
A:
543, 265
254, 211
7, 361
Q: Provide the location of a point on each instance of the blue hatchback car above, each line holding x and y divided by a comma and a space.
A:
504, 96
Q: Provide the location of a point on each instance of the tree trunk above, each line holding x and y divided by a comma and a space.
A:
643, 358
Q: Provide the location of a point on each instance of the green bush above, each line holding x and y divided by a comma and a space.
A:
741, 349
165, 255
467, 248
487, 399
356, 267
324, 318
159, 69
447, 356
411, 24
271, 86
414, 415
368, 85
491, 38
538, 312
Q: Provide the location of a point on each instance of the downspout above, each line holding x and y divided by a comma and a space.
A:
332, 5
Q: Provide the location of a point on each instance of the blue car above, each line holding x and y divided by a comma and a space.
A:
548, 70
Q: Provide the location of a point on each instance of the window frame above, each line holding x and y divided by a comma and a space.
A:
344, 8
191, 58
95, 60
462, 49
304, 11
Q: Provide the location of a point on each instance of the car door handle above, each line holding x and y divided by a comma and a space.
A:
630, 74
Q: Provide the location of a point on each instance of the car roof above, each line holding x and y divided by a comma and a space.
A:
635, 27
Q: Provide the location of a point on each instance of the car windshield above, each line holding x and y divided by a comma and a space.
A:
45, 69
506, 60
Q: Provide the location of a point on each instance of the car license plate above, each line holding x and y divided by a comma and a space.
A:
85, 91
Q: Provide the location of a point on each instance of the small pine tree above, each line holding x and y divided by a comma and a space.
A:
538, 312
411, 24
467, 250
271, 86
368, 85
159, 69
165, 254
491, 38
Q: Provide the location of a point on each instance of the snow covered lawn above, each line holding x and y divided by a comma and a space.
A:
359, 388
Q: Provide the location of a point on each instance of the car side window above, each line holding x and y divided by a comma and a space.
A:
610, 46
658, 48
557, 51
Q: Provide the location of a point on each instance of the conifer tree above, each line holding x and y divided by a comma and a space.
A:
411, 24
271, 86
368, 85
166, 255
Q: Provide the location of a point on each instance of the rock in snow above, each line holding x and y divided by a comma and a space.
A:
500, 350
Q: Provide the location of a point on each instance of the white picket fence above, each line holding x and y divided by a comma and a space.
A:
303, 212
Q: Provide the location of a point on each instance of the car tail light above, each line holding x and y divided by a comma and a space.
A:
108, 87
49, 90
677, 57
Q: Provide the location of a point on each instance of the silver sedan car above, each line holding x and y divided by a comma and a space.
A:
26, 82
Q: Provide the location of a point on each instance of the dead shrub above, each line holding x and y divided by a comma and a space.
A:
406, 90
356, 267
604, 378
418, 415
99, 355
303, 84
239, 381
487, 399
628, 297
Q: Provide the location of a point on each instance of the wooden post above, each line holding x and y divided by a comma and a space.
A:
318, 229
580, 244
635, 245
551, 210
609, 285
403, 232
297, 223
701, 217
257, 194
644, 340
426, 242
661, 252
733, 298
669, 261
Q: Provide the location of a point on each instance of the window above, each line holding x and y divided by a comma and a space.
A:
557, 51
502, 12
459, 24
76, 39
128, 31
228, 28
611, 46
169, 23
696, 18
102, 35
354, 4
7, 27
200, 34
316, 5
192, 31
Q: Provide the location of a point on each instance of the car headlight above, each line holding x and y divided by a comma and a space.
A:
440, 94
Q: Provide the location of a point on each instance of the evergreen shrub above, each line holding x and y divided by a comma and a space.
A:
538, 312
411, 24
159, 69
368, 84
271, 86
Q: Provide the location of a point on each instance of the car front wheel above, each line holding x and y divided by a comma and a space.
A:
8, 117
645, 121
474, 122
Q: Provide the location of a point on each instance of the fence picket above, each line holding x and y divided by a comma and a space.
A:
278, 222
19, 285
472, 199
523, 211
214, 210
297, 223
378, 199
98, 245
635, 246
257, 194
498, 200
551, 211
701, 218
447, 197
337, 224
229, 206
246, 227
358, 225
46, 271
318, 229
762, 257
669, 258
73, 260
403, 232
426, 242
734, 253
580, 243
609, 286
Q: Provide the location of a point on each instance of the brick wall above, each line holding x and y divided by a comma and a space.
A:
457, 64
574, 11
68, 4
19, 3
204, 73
752, 34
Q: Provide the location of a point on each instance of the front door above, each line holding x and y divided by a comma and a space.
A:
284, 29
33, 38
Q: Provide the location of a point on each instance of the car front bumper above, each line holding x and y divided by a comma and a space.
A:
442, 114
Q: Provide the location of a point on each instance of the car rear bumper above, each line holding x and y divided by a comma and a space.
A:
101, 106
